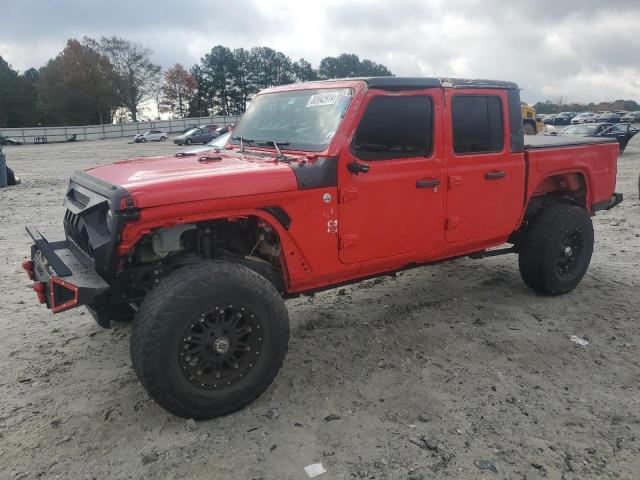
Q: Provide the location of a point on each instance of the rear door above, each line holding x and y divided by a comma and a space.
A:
485, 180
390, 196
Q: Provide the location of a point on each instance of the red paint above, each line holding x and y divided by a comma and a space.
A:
28, 267
63, 306
374, 222
39, 288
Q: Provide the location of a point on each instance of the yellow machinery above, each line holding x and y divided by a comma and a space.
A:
530, 124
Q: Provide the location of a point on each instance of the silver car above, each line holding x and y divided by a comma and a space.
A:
151, 136
195, 135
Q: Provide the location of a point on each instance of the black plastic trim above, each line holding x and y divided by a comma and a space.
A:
46, 248
323, 172
615, 199
516, 127
280, 215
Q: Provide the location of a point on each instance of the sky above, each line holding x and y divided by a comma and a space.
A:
577, 50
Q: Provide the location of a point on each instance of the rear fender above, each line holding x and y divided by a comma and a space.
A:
570, 184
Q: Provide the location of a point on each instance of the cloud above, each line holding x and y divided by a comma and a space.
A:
584, 50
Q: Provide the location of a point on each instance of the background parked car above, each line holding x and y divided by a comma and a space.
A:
631, 117
563, 118
582, 117
623, 132
548, 118
585, 129
209, 126
195, 135
151, 136
607, 117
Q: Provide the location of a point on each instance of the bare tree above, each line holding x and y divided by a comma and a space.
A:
178, 90
138, 75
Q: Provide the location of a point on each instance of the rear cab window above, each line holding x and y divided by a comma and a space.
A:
478, 124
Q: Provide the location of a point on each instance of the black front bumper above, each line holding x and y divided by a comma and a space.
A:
62, 281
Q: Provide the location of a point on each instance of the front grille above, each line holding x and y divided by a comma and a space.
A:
77, 232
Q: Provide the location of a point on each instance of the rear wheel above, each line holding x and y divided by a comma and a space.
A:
556, 252
209, 339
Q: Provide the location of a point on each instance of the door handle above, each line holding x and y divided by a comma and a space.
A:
357, 167
494, 175
427, 183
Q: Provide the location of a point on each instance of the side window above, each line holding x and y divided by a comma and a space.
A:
395, 127
477, 124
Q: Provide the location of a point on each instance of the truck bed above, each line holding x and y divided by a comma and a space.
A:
553, 141
572, 162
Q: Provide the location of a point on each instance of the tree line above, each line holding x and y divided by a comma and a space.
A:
550, 107
94, 81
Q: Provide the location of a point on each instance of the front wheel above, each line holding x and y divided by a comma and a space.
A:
188, 141
557, 250
209, 339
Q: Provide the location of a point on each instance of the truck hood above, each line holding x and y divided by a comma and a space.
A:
154, 181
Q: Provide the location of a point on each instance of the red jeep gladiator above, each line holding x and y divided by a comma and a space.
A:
322, 184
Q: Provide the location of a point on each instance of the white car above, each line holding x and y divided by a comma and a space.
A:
583, 117
151, 136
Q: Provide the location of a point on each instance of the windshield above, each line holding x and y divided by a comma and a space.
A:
581, 129
302, 119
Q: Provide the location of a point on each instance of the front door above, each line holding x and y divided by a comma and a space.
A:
485, 180
391, 199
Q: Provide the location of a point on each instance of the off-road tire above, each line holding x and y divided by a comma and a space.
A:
545, 265
174, 306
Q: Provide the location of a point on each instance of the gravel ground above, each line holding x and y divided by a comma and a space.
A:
451, 371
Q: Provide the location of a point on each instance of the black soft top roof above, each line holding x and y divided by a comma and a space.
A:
417, 83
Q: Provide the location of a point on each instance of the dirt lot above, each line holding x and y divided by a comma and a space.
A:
452, 371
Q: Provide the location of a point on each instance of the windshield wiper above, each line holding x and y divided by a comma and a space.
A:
242, 140
276, 145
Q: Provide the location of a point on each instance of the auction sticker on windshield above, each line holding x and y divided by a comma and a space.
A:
327, 98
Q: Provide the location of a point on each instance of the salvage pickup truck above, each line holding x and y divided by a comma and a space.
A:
322, 184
